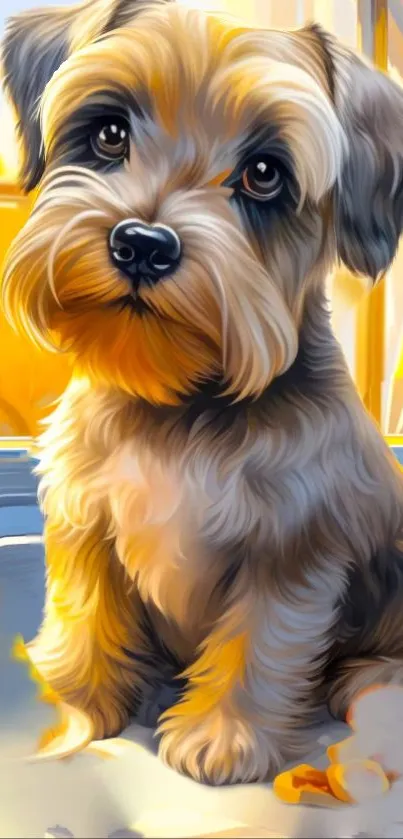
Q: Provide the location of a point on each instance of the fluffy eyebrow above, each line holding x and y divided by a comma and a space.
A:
107, 103
103, 104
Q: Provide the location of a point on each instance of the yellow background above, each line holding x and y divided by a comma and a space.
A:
29, 379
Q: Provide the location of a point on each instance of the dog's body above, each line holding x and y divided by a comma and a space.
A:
218, 502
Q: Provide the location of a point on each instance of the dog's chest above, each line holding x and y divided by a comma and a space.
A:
158, 520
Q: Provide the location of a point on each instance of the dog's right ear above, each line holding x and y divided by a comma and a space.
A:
34, 46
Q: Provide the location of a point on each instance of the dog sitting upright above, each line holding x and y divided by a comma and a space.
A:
216, 496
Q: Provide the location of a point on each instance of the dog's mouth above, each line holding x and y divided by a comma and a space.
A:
133, 303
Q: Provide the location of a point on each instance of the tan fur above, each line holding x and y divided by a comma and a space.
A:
231, 527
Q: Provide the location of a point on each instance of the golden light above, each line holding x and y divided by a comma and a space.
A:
8, 148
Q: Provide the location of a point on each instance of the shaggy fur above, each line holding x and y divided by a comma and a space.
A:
218, 503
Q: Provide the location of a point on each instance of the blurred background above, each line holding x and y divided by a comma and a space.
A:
369, 325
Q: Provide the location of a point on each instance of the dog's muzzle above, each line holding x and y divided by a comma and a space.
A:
144, 252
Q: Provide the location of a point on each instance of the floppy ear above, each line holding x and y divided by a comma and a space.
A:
369, 196
34, 46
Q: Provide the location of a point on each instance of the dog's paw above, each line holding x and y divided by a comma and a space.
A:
216, 748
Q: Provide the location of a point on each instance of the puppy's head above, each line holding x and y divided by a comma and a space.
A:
195, 181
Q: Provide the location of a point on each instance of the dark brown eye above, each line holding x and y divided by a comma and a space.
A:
110, 139
261, 179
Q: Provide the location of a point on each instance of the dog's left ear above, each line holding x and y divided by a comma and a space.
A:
369, 195
34, 46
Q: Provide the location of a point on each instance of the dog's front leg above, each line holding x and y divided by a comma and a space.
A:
91, 622
251, 691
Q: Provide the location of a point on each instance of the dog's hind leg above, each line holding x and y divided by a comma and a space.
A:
368, 650
355, 675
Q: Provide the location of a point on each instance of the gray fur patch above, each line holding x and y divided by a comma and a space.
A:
369, 200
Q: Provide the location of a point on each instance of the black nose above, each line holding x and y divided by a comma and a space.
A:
144, 251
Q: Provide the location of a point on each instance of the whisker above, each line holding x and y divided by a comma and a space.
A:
224, 314
85, 186
86, 215
71, 171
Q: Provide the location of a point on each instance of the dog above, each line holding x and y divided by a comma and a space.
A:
219, 505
